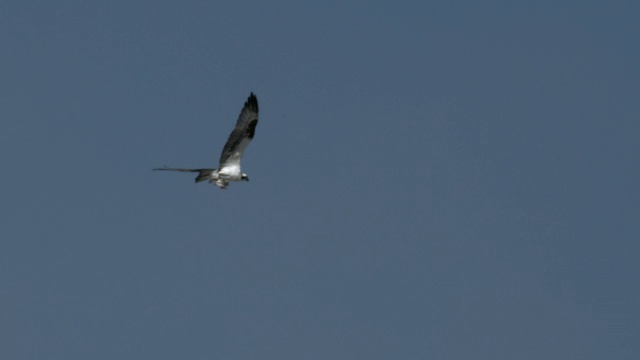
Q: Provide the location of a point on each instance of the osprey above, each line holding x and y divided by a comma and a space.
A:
229, 169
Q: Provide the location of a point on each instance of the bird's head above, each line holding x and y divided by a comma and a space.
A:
244, 177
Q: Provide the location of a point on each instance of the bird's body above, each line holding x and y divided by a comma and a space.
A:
229, 169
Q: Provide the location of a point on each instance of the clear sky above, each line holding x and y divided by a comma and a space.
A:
429, 180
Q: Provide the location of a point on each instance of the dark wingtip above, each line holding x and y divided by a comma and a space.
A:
252, 101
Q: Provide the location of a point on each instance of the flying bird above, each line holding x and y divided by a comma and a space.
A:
229, 168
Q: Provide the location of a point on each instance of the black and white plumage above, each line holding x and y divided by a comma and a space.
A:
229, 169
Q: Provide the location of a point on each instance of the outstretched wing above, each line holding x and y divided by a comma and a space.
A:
179, 169
241, 135
203, 174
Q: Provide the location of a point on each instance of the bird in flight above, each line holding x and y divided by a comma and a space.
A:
229, 169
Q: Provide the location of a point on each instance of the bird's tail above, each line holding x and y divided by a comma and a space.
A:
203, 174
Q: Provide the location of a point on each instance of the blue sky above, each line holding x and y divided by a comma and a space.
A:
429, 180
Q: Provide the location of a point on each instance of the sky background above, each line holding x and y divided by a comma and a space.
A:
429, 180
